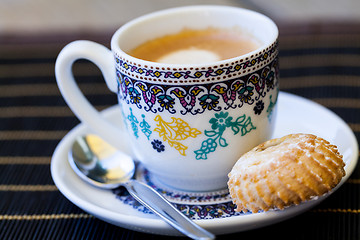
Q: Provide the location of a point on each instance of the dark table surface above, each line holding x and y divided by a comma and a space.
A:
319, 61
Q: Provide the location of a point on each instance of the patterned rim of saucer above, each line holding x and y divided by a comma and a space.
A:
195, 205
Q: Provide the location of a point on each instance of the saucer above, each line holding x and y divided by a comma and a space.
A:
295, 115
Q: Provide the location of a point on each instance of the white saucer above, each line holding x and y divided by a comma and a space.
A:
295, 114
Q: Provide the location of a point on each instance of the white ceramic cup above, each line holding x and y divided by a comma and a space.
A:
186, 123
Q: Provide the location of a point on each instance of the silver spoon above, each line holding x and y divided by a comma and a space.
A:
100, 164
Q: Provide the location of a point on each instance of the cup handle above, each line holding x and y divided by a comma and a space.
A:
104, 60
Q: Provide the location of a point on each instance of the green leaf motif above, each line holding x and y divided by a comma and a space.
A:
219, 124
207, 146
240, 119
235, 129
269, 110
247, 127
210, 133
222, 142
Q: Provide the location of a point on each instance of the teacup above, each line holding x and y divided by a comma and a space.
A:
187, 123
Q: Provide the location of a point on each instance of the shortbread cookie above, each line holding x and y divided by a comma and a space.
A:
285, 171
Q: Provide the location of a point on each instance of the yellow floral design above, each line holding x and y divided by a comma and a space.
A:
174, 132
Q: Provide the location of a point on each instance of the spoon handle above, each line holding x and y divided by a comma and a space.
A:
151, 199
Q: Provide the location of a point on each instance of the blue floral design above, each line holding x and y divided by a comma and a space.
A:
259, 107
158, 145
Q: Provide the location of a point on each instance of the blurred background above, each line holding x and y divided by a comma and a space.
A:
42, 16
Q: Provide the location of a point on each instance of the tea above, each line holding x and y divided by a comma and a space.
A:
196, 46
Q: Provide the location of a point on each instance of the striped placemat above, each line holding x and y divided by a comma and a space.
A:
318, 62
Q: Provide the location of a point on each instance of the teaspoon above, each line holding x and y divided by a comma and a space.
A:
101, 165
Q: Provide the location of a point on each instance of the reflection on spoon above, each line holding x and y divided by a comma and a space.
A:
101, 165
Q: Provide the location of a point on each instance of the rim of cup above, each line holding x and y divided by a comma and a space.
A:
123, 33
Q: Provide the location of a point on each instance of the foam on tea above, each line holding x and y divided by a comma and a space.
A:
191, 55
196, 46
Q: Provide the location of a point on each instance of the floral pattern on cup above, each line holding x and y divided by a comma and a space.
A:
197, 98
219, 124
174, 132
158, 145
193, 75
220, 97
270, 108
135, 124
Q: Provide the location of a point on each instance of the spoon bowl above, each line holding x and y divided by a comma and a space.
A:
101, 165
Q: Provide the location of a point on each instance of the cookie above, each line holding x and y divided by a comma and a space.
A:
285, 171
